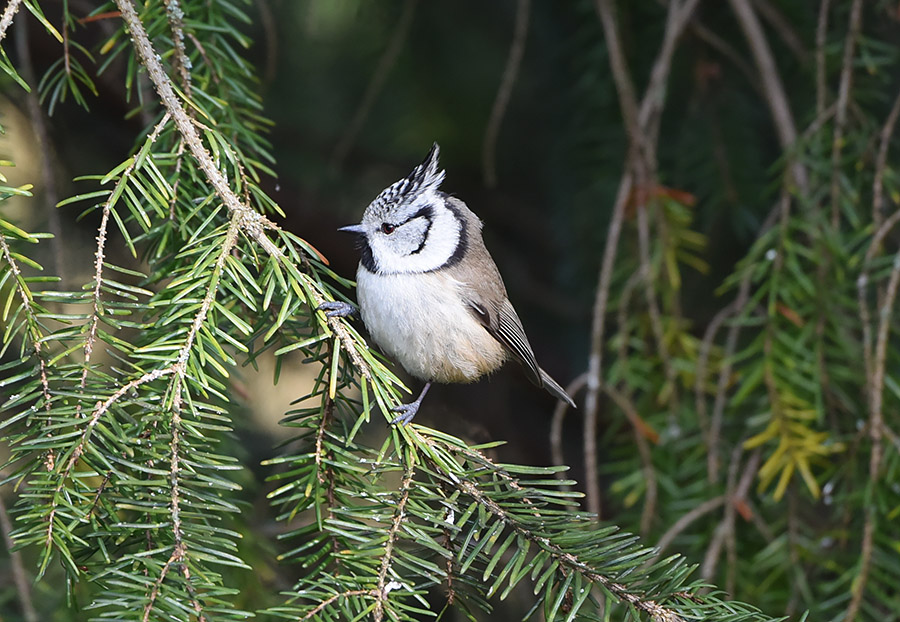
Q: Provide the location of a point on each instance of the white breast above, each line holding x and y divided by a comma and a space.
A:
421, 321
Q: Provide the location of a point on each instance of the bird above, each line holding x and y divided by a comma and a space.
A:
429, 292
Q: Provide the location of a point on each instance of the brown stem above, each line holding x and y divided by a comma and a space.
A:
821, 36
776, 97
884, 138
507, 82
840, 117
376, 84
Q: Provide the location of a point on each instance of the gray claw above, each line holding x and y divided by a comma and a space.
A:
407, 412
338, 309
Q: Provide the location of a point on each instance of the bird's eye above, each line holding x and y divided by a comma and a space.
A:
388, 228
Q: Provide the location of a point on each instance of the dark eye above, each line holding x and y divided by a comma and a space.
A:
388, 228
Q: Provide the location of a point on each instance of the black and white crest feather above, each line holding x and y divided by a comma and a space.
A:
423, 178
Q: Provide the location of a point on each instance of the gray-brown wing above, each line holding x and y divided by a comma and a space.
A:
503, 324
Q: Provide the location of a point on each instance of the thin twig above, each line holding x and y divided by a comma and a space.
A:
628, 103
743, 295
349, 593
7, 18
595, 360
876, 431
685, 521
735, 492
654, 98
776, 97
649, 511
381, 590
653, 312
884, 138
504, 91
175, 17
376, 84
840, 117
821, 37
37, 339
100, 257
702, 361
783, 27
862, 284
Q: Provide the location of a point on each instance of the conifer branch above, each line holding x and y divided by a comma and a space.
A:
100, 256
252, 223
381, 590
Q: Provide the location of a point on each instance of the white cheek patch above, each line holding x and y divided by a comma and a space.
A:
422, 244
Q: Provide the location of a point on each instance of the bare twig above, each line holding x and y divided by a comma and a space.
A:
507, 82
840, 117
821, 36
772, 86
884, 138
376, 84
736, 491
595, 360
175, 17
702, 361
862, 284
685, 521
783, 27
649, 510
876, 432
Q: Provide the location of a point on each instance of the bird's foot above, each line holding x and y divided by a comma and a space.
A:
408, 411
338, 308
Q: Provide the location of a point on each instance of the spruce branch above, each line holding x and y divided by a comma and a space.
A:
252, 223
100, 254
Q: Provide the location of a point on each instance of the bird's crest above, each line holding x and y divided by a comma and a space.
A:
423, 178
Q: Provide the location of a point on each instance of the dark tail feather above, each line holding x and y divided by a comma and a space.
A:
553, 387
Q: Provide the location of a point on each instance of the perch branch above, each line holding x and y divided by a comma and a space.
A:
252, 223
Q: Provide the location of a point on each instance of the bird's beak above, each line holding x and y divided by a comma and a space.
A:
358, 229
